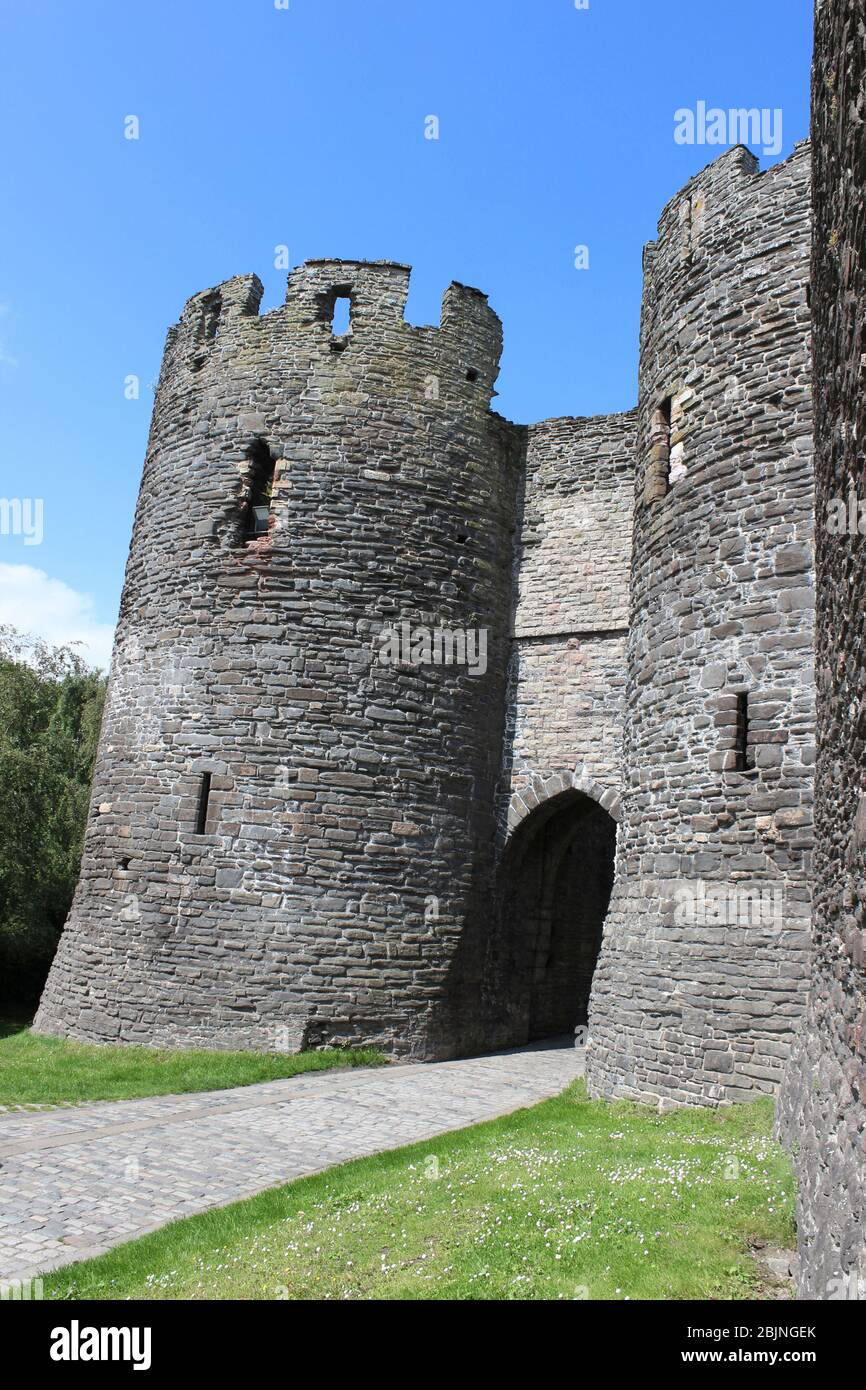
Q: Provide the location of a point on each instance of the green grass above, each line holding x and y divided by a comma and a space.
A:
570, 1199
51, 1071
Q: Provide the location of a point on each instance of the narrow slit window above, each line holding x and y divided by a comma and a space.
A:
686, 231
203, 799
743, 752
260, 492
342, 316
663, 427
658, 474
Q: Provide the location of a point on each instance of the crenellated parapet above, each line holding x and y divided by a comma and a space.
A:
218, 324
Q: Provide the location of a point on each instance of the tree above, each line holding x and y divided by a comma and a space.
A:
51, 705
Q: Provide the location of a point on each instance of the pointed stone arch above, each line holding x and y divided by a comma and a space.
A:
543, 787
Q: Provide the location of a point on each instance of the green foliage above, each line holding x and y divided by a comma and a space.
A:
50, 712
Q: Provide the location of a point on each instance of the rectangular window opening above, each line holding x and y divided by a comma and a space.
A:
203, 799
210, 322
342, 316
260, 491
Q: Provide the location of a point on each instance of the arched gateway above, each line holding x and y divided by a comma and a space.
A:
556, 882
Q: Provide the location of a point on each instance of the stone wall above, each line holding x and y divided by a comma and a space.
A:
337, 888
822, 1109
567, 675
704, 962
564, 715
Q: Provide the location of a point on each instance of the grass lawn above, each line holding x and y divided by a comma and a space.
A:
570, 1199
43, 1071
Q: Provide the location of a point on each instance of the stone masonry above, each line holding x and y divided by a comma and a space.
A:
567, 674
293, 842
822, 1109
702, 971
288, 838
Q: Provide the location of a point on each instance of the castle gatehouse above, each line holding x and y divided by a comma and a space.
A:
295, 842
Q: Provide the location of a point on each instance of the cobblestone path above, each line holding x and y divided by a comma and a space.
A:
76, 1180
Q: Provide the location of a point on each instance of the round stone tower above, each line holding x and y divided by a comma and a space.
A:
704, 962
291, 833
822, 1107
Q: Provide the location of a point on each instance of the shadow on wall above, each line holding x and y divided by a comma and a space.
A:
556, 881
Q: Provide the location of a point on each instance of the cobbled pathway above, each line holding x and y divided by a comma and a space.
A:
76, 1180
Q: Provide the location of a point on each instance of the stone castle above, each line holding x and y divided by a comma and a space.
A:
305, 831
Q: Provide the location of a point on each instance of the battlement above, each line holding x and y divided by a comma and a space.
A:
373, 296
376, 292
733, 186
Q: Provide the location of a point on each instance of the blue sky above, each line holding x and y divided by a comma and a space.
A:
305, 126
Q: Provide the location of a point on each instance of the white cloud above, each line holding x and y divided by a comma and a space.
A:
43, 607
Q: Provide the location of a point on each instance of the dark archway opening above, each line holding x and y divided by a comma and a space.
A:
557, 882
